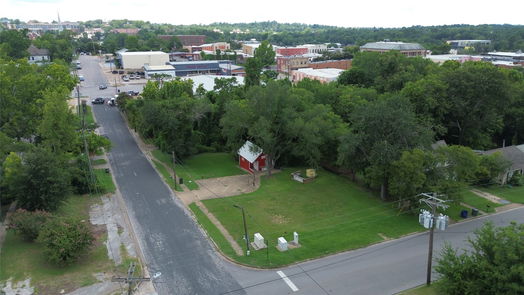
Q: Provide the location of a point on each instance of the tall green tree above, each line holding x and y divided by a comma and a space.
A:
253, 68
58, 126
44, 181
379, 133
265, 54
493, 264
14, 44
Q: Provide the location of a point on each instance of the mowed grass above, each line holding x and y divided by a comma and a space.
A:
99, 162
330, 214
479, 202
105, 181
513, 194
201, 166
168, 177
21, 260
423, 290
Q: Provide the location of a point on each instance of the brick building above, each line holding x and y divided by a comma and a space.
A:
290, 51
343, 64
285, 64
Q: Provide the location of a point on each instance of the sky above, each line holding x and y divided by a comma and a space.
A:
348, 13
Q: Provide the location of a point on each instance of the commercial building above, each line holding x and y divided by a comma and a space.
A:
37, 27
408, 49
208, 81
315, 48
290, 51
191, 40
442, 58
213, 47
164, 70
188, 68
343, 64
127, 31
250, 48
464, 44
136, 60
286, 64
517, 57
322, 75
230, 69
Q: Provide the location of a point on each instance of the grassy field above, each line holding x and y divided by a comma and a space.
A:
331, 214
422, 290
478, 202
201, 166
168, 177
99, 162
513, 194
21, 259
105, 180
89, 119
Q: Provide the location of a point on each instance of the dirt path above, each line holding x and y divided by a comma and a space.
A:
489, 197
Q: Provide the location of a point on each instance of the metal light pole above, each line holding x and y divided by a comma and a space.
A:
245, 228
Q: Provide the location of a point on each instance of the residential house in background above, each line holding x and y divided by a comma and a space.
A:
127, 31
515, 155
408, 49
38, 55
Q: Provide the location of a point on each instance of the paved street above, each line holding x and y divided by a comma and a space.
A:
175, 246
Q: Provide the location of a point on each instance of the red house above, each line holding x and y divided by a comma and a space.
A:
251, 158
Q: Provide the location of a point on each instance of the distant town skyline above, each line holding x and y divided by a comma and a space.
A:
379, 13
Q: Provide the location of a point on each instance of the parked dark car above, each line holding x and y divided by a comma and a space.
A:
133, 93
120, 72
98, 100
101, 87
115, 72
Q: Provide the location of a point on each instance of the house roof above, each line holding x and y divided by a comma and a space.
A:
392, 46
35, 51
512, 153
250, 151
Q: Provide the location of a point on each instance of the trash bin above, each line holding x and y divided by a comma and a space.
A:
107, 170
181, 180
464, 213
474, 212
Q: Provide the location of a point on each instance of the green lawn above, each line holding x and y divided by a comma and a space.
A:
201, 166
105, 180
89, 119
478, 202
21, 259
513, 194
168, 177
331, 214
99, 162
423, 290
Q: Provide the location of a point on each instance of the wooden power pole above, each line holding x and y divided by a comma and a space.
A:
130, 280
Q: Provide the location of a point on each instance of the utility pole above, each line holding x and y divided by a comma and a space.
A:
245, 229
130, 280
174, 162
432, 200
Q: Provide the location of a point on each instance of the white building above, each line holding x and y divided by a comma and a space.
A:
208, 81
38, 55
315, 48
322, 75
136, 60
151, 71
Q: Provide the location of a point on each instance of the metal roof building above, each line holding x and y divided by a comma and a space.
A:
408, 49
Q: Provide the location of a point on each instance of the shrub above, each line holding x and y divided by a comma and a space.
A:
65, 239
517, 179
28, 224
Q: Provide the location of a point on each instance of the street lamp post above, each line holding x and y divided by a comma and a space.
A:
245, 228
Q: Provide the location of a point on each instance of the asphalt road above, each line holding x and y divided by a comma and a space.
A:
171, 242
175, 246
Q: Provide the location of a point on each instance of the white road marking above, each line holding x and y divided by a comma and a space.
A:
134, 173
288, 281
